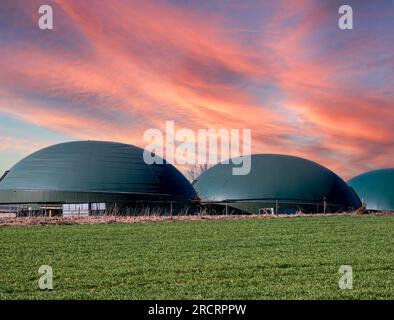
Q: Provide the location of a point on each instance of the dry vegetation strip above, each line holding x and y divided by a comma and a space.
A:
34, 221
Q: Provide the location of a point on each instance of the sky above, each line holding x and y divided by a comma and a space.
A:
109, 70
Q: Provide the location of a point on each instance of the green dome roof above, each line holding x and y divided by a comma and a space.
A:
95, 167
276, 178
375, 188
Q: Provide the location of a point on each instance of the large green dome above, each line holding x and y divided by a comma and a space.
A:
375, 188
91, 171
291, 182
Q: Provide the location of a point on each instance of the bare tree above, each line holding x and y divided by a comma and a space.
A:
194, 172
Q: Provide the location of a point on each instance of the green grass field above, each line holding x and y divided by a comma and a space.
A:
294, 258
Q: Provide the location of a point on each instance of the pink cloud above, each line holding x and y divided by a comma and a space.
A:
143, 63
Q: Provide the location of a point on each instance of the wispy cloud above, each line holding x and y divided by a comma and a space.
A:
112, 69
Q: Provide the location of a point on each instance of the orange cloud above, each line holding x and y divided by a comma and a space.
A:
112, 69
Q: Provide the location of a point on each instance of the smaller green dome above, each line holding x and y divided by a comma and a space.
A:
293, 182
375, 188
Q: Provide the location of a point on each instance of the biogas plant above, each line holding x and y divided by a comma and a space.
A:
103, 178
